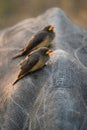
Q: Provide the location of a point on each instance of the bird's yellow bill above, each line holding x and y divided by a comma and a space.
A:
49, 51
51, 28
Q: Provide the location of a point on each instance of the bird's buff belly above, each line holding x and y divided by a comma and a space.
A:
38, 66
45, 43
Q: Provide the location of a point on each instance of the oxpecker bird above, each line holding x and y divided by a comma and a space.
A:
33, 61
42, 38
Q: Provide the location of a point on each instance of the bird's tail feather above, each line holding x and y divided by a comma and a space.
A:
16, 81
20, 76
19, 54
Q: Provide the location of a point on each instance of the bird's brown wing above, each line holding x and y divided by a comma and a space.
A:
35, 40
29, 62
24, 60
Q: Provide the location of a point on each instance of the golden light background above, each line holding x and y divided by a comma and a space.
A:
13, 11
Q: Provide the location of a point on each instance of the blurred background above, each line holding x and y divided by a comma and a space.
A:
13, 11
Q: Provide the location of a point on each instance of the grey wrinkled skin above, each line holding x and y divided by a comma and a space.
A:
55, 97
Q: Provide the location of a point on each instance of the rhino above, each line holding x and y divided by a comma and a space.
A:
54, 97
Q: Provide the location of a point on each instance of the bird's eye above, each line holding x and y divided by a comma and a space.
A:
51, 28
48, 52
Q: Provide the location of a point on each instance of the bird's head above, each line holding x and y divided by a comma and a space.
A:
49, 28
